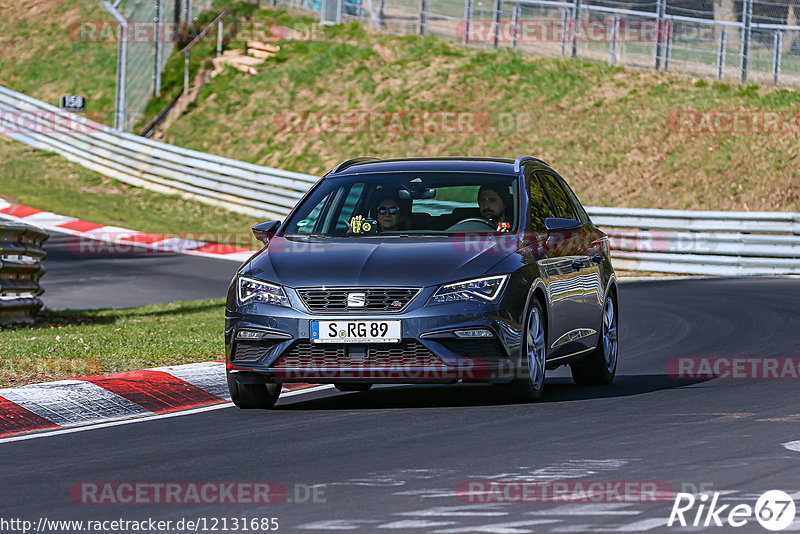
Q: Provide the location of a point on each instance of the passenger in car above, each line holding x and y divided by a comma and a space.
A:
495, 205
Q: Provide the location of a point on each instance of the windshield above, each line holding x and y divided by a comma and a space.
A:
402, 203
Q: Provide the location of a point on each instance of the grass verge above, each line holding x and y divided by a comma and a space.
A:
70, 344
615, 134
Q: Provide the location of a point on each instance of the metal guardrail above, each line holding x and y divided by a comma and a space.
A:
702, 242
20, 269
692, 242
236, 185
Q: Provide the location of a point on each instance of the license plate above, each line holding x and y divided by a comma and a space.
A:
355, 331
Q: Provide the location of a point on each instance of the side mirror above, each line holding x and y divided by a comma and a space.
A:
264, 231
555, 223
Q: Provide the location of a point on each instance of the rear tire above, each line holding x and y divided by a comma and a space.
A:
352, 387
249, 396
529, 388
600, 366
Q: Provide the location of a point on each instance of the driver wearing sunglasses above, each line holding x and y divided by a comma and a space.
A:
389, 214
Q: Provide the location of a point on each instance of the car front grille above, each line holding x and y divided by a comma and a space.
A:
484, 349
377, 299
251, 351
407, 353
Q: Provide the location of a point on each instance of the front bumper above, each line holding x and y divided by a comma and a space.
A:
429, 352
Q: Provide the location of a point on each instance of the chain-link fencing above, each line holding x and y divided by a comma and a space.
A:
743, 40
147, 32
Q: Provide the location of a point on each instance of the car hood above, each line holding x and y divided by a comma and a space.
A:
399, 261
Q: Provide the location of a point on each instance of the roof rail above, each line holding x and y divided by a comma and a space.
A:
352, 161
520, 161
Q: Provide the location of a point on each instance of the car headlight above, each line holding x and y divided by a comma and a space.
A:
475, 290
250, 290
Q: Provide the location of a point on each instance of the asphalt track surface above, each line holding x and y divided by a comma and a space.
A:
390, 460
102, 277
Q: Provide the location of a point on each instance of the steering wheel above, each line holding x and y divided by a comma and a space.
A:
475, 224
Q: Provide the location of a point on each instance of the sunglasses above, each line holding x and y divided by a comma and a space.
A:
393, 210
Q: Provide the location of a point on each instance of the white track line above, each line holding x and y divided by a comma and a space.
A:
793, 446
140, 419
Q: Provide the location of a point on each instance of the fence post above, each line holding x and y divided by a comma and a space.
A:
668, 52
122, 51
423, 17
498, 11
721, 53
661, 10
776, 59
515, 13
220, 31
382, 14
614, 36
189, 11
186, 60
467, 19
747, 19
564, 30
157, 61
575, 21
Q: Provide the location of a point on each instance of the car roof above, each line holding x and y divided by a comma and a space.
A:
460, 164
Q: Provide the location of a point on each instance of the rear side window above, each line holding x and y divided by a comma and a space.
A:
562, 206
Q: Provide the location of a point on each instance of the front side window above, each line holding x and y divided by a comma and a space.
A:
538, 206
395, 203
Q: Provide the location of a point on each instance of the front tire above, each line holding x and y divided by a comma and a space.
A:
600, 366
250, 396
529, 388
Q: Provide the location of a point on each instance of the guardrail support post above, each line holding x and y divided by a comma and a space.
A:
576, 20
614, 36
423, 17
515, 14
498, 11
776, 59
747, 19
721, 53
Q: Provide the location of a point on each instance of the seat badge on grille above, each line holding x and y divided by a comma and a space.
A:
397, 304
356, 300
